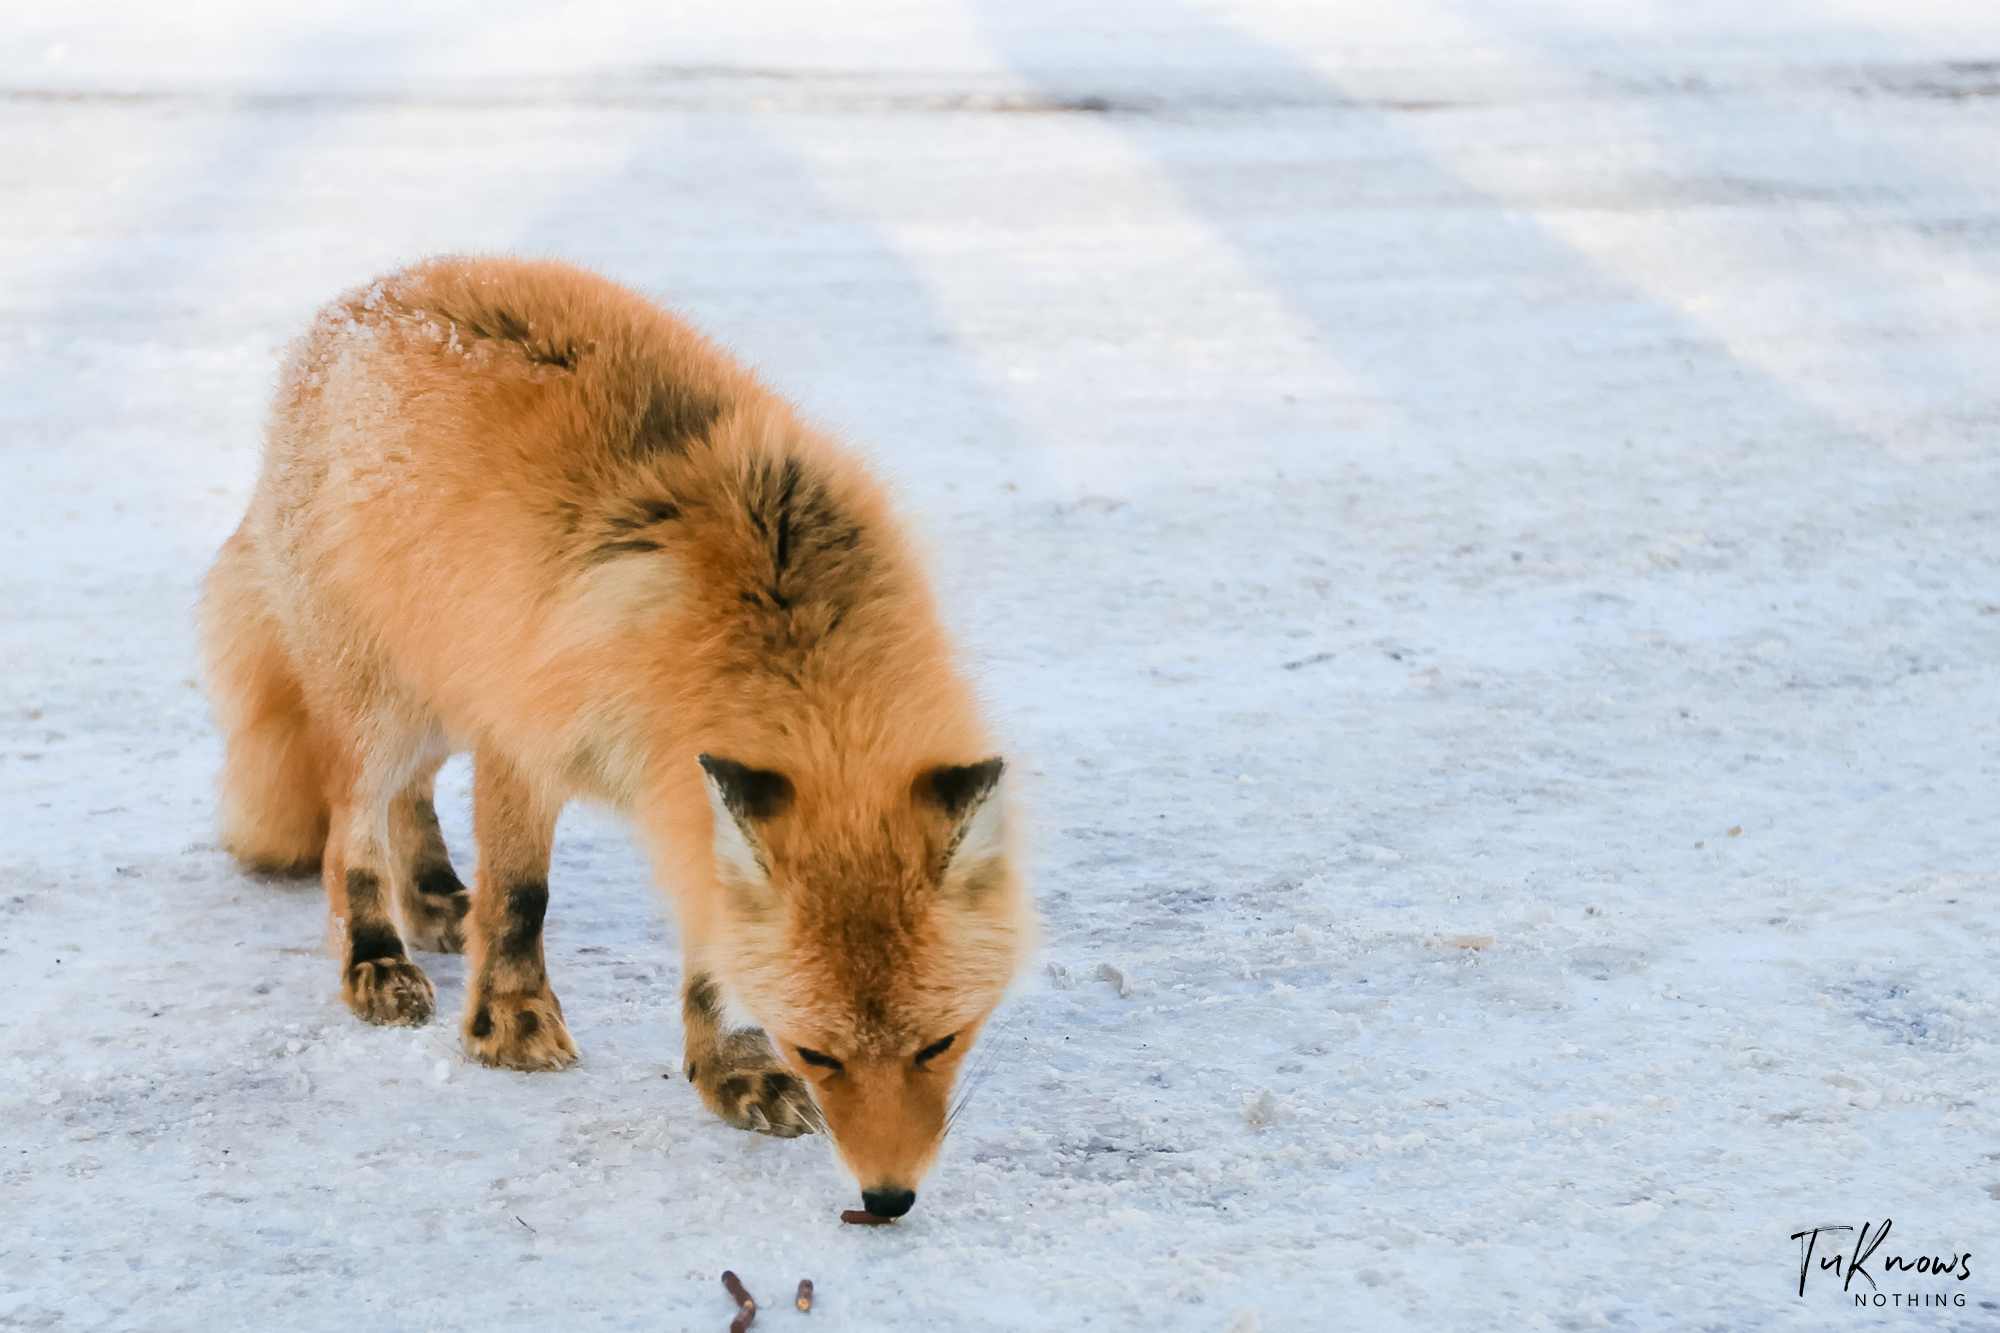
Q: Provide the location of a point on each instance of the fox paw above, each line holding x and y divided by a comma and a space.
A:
765, 1100
436, 922
519, 1032
390, 991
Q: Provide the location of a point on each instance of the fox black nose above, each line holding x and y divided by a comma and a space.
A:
888, 1203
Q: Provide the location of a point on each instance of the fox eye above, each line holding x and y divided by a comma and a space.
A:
936, 1048
823, 1061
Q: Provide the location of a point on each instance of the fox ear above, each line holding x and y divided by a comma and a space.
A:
958, 790
970, 796
741, 798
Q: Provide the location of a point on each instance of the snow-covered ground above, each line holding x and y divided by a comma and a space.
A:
1479, 520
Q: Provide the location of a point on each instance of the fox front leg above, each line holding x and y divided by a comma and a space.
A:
737, 1073
512, 1016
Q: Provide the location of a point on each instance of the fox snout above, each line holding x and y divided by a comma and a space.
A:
888, 1202
887, 1115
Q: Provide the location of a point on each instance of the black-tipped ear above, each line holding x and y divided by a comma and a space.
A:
750, 793
961, 788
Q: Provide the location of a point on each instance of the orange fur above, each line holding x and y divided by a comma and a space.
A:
513, 508
273, 813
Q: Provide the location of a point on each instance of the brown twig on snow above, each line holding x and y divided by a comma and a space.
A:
861, 1219
804, 1300
746, 1304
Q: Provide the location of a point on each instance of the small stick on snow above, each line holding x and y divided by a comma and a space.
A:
860, 1219
746, 1305
804, 1300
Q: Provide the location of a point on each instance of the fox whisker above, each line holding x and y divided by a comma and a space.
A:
975, 1079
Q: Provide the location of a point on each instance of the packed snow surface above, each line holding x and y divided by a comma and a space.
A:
1477, 520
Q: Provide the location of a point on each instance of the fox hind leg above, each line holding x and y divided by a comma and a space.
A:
378, 750
434, 903
377, 979
737, 1073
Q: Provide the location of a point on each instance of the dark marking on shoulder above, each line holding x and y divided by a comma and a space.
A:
527, 904
959, 788
506, 326
643, 514
675, 416
637, 516
781, 553
750, 793
439, 881
810, 537
564, 358
499, 324
612, 550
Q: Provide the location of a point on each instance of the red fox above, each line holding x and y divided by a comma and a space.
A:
511, 507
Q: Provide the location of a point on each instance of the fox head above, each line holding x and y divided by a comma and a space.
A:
871, 930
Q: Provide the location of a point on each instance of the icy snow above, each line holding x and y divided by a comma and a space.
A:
1477, 520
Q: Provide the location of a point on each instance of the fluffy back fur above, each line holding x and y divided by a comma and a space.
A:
513, 508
